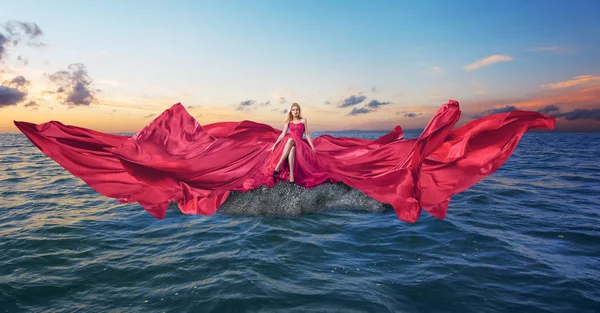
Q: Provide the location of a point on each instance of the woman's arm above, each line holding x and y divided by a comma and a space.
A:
308, 135
285, 128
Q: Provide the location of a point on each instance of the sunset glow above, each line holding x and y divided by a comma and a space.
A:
114, 66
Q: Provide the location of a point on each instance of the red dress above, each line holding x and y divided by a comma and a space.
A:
308, 170
176, 159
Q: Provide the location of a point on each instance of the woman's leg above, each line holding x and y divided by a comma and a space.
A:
286, 151
291, 159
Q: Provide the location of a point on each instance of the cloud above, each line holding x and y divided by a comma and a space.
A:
80, 95
372, 106
376, 104
284, 111
409, 114
581, 96
586, 97
265, 103
547, 49
76, 83
357, 111
549, 109
31, 104
10, 96
23, 60
437, 70
351, 101
15, 32
13, 91
496, 58
504, 109
282, 100
327, 102
588, 114
579, 80
18, 82
244, 105
3, 43
374, 89
576, 114
149, 115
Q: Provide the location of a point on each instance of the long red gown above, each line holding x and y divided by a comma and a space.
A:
174, 158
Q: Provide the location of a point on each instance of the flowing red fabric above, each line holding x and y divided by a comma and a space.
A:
174, 158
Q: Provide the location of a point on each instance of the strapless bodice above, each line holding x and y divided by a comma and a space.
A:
296, 130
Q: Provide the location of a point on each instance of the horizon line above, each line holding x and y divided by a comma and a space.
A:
374, 131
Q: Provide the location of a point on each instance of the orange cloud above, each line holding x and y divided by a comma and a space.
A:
579, 80
586, 98
127, 114
496, 58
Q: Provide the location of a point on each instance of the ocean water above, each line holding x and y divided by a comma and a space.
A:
525, 239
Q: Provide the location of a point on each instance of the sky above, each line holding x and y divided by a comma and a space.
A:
113, 66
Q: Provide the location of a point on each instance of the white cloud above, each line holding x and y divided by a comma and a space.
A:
496, 58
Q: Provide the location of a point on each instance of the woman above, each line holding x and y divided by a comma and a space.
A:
297, 126
174, 158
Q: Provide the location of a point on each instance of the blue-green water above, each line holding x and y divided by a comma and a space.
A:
526, 239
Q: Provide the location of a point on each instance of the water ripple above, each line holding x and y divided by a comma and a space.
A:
526, 239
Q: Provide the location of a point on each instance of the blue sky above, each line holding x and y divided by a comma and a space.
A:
144, 56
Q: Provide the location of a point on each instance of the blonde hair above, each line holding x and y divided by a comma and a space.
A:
290, 117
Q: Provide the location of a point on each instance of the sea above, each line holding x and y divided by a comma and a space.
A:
524, 239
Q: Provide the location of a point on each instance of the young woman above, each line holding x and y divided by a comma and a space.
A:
174, 158
297, 125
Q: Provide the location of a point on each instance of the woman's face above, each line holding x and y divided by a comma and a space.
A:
295, 111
